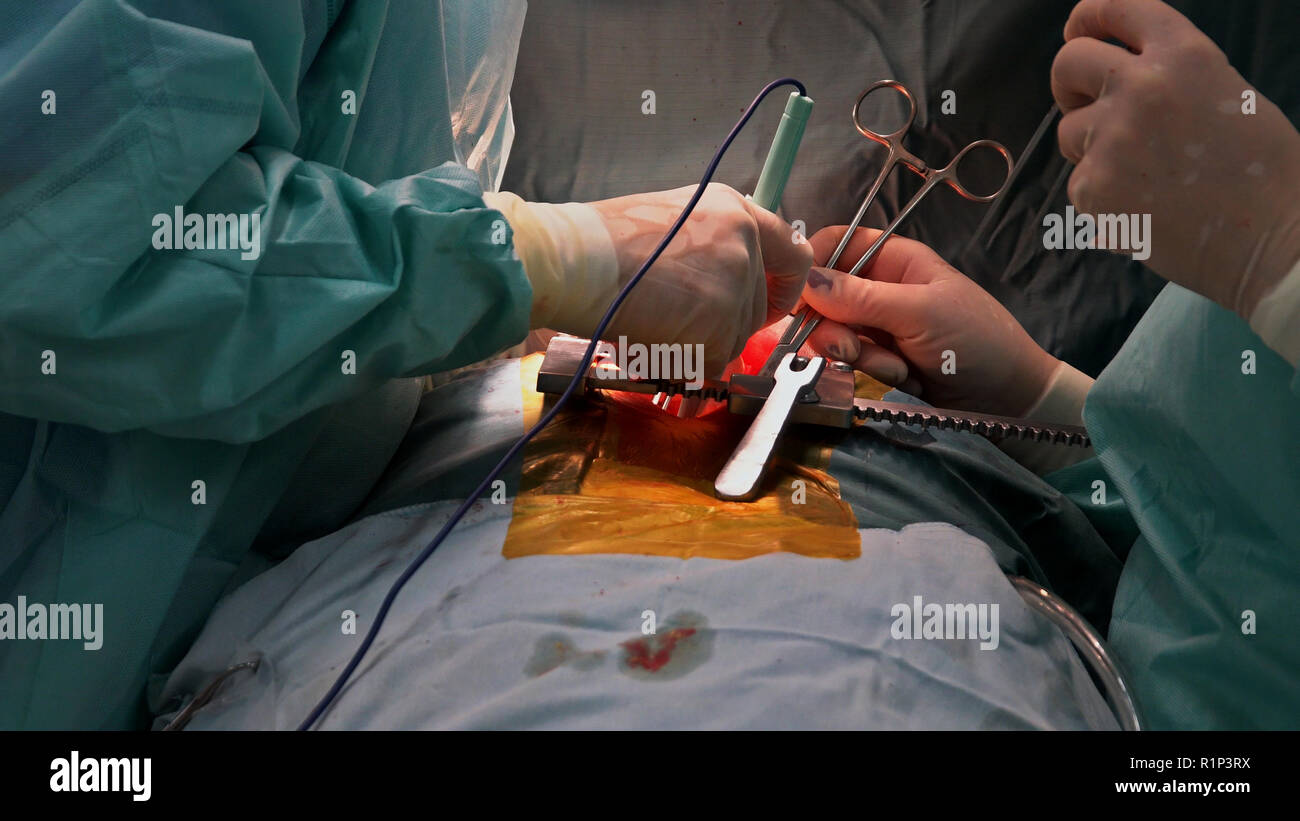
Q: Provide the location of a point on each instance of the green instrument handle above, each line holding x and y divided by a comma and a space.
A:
780, 157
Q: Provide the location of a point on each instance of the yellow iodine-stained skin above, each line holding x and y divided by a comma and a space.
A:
618, 475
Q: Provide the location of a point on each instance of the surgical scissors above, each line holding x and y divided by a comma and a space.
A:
798, 331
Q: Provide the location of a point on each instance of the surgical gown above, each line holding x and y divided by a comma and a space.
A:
155, 405
1197, 477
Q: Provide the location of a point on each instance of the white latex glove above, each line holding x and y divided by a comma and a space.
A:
917, 318
732, 269
1158, 128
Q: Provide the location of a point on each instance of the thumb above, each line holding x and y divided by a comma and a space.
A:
890, 306
787, 256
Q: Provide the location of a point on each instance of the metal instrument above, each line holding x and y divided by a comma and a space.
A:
1090, 646
808, 390
830, 403
740, 476
804, 323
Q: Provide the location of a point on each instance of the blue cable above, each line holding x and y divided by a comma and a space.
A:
578, 376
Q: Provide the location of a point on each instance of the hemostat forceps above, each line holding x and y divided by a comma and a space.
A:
804, 323
810, 391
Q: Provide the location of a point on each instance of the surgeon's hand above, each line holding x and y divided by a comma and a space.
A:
1159, 128
916, 322
732, 269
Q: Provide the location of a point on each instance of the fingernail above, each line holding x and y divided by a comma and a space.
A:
818, 280
891, 375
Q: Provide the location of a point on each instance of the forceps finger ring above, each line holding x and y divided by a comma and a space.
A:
807, 320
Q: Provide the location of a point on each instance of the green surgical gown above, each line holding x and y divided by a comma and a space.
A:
156, 405
1194, 422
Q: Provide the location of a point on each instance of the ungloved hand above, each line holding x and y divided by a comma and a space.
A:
917, 323
1162, 127
732, 268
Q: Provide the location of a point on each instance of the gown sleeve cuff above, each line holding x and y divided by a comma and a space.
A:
1060, 403
568, 257
1277, 317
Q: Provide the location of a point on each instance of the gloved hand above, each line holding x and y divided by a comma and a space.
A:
910, 310
733, 268
1159, 128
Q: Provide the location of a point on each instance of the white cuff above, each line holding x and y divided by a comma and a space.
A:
1276, 317
1062, 399
569, 259
1061, 403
